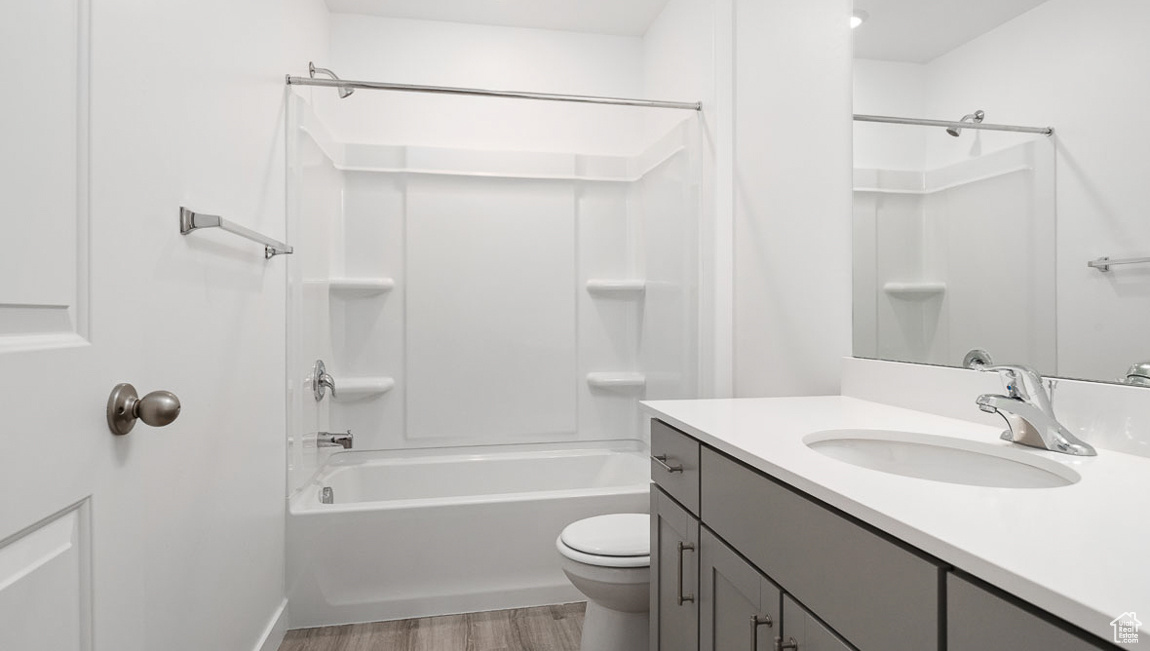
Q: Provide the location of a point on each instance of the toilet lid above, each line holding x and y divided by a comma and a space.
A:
617, 534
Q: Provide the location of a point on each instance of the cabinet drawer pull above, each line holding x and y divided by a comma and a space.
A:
661, 459
791, 645
755, 624
684, 598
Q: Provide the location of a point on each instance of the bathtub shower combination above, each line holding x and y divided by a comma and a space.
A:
425, 532
490, 312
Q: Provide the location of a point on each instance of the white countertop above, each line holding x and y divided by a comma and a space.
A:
1081, 552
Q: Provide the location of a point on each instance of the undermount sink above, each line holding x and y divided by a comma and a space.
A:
941, 458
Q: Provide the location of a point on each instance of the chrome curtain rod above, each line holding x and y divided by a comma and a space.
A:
884, 119
449, 90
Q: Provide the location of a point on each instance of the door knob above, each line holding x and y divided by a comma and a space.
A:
157, 409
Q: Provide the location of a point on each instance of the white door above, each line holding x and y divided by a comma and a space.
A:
69, 518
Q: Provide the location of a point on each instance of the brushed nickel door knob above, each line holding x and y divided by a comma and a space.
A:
157, 409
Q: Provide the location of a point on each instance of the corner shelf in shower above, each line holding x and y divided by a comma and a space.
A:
361, 287
630, 288
914, 291
358, 388
621, 380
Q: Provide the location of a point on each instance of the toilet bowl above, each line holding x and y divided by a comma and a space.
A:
608, 559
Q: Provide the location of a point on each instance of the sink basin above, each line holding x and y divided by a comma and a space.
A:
941, 458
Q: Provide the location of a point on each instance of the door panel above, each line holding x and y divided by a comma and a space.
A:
45, 595
43, 266
808, 633
731, 593
674, 625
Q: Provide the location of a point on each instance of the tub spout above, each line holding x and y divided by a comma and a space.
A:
334, 439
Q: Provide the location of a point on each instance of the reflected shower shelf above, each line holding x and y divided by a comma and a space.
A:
603, 380
914, 291
361, 286
357, 388
622, 288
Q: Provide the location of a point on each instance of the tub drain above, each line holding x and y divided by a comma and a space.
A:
326, 496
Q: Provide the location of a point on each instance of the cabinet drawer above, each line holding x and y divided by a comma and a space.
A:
874, 592
980, 620
675, 464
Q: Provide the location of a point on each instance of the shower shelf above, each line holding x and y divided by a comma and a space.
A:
358, 388
601, 380
611, 287
914, 291
361, 286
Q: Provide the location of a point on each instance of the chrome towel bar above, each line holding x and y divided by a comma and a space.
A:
1103, 264
191, 220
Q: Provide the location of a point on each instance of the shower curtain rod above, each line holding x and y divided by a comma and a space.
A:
449, 90
1046, 131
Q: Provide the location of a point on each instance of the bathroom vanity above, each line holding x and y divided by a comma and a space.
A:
759, 541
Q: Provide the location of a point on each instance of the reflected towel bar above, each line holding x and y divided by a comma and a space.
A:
191, 220
1103, 264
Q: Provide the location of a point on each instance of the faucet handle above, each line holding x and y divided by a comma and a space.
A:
1024, 383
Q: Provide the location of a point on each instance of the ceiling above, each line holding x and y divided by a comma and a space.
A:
617, 17
918, 31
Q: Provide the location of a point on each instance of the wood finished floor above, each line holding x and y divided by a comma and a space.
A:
546, 628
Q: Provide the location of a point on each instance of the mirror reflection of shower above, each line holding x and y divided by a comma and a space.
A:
977, 117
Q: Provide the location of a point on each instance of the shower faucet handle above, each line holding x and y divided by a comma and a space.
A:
321, 381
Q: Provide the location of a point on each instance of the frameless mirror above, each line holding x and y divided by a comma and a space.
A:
973, 228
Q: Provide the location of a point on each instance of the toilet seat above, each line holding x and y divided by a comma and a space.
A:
615, 540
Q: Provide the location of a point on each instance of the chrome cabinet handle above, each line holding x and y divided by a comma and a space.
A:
662, 461
755, 624
791, 645
125, 406
682, 597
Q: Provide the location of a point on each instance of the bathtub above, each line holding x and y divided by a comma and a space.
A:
416, 533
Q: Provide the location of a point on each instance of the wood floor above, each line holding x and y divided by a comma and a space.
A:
546, 628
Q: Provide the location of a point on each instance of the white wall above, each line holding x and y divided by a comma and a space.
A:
187, 107
792, 196
680, 61
889, 88
482, 56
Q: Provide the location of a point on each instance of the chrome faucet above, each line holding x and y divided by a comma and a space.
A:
334, 439
321, 381
1029, 413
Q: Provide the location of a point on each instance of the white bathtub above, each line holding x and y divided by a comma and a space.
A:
432, 532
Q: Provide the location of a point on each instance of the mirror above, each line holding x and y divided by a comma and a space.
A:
993, 239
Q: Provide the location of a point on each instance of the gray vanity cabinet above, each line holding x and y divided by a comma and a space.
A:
729, 543
674, 575
738, 606
980, 619
878, 594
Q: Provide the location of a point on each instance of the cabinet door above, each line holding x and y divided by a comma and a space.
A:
802, 632
674, 575
738, 607
980, 620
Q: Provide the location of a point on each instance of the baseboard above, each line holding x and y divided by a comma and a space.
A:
436, 606
277, 627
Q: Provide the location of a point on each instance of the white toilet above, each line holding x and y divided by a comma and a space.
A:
608, 558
